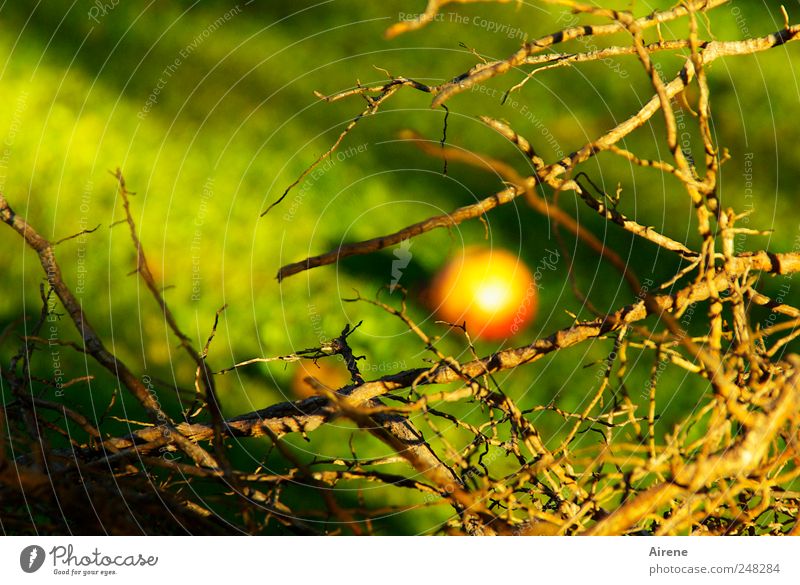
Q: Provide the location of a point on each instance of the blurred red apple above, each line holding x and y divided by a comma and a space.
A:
329, 373
491, 289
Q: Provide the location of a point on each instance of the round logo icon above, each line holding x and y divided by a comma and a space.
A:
31, 558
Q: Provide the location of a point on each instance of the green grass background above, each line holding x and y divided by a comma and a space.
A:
238, 114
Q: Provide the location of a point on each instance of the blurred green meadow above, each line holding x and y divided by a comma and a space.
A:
208, 109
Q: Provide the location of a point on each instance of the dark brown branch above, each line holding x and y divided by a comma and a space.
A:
91, 340
735, 461
440, 221
551, 174
537, 202
306, 415
484, 72
203, 372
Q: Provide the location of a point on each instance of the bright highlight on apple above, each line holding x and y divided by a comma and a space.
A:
491, 289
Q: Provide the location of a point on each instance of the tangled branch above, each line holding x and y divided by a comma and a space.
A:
729, 466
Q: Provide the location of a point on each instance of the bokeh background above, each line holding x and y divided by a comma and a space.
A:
208, 109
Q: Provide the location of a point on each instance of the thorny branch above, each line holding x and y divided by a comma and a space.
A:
551, 174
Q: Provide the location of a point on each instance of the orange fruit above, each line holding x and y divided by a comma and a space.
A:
491, 289
329, 372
